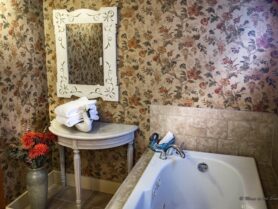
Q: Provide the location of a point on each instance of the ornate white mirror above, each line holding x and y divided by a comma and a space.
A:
86, 53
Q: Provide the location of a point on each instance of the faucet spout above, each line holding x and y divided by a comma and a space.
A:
177, 149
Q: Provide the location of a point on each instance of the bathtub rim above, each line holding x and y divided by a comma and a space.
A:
126, 188
241, 166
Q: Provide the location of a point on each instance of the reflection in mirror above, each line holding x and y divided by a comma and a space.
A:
84, 42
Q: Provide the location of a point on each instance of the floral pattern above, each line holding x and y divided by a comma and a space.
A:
23, 83
90, 51
217, 54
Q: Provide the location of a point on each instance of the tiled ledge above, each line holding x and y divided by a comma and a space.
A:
270, 185
122, 194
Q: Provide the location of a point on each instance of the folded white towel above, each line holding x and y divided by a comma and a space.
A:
69, 122
74, 107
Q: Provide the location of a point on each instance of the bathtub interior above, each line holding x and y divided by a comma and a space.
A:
178, 184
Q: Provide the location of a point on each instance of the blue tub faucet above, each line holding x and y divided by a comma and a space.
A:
166, 144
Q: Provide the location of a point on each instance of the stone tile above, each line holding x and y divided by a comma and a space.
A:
196, 127
186, 142
177, 124
238, 130
248, 116
234, 115
229, 147
206, 145
260, 150
217, 128
156, 124
275, 149
179, 111
270, 184
261, 131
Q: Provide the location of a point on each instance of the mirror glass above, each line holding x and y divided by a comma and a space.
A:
85, 42
86, 53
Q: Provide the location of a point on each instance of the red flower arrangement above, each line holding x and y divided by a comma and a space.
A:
33, 149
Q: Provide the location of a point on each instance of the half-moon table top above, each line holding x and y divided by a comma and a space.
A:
99, 131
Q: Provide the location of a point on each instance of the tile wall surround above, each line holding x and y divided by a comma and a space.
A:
275, 150
219, 131
217, 54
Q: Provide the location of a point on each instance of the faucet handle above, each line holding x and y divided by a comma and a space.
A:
182, 146
154, 137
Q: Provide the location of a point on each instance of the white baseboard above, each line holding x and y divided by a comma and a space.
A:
90, 183
54, 185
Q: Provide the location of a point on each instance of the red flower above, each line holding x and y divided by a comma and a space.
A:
48, 137
38, 150
28, 139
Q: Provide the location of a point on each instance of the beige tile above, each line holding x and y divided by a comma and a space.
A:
261, 131
186, 142
260, 150
270, 184
275, 149
238, 130
217, 128
206, 145
196, 127
248, 116
156, 124
229, 147
177, 124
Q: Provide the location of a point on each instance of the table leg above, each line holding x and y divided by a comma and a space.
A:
62, 165
77, 176
130, 156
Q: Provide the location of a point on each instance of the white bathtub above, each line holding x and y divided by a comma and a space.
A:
231, 182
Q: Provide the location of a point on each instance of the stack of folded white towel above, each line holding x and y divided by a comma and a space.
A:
72, 113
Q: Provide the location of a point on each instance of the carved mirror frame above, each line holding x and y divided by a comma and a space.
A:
108, 17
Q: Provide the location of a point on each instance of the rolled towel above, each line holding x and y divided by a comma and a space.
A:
93, 114
91, 107
74, 107
86, 125
94, 117
69, 122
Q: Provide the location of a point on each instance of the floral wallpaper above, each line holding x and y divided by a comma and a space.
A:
23, 86
219, 54
84, 42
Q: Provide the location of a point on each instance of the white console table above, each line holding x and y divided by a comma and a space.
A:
102, 136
